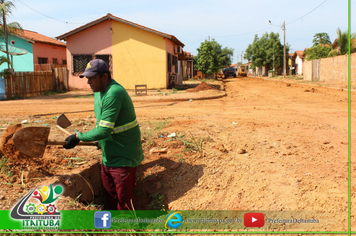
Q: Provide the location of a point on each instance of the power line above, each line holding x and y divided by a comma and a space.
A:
271, 28
253, 32
195, 41
307, 13
50, 16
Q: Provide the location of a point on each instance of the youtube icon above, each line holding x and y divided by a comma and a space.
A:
254, 220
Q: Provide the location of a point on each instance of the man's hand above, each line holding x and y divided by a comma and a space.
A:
72, 141
97, 144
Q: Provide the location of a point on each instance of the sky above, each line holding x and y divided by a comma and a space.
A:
232, 23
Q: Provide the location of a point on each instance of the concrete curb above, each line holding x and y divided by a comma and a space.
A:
178, 99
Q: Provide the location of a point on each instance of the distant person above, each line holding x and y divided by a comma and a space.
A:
118, 133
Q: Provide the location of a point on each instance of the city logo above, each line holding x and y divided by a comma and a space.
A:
174, 220
44, 214
254, 220
102, 219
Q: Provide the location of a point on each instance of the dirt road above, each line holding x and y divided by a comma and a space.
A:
266, 146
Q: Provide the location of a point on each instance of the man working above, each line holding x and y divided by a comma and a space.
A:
118, 133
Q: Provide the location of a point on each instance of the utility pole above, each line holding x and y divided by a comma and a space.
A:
5, 31
284, 47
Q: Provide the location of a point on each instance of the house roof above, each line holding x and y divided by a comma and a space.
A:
34, 37
112, 17
186, 56
299, 53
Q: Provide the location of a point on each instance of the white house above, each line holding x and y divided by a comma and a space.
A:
299, 58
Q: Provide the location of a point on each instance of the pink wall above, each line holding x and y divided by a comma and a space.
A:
48, 51
94, 40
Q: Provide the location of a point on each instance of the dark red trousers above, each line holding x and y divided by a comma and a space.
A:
119, 183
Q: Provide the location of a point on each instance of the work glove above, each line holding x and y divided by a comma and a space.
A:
72, 141
97, 144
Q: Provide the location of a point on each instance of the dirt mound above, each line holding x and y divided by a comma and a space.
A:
17, 165
201, 87
7, 146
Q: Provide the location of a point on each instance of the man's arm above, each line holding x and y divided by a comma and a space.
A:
110, 111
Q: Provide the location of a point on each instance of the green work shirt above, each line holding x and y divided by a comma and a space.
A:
116, 128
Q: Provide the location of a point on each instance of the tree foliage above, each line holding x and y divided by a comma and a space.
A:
341, 44
318, 51
11, 28
3, 60
321, 38
261, 51
212, 57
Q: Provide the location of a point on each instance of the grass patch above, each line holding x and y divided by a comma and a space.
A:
157, 202
193, 144
74, 161
180, 158
85, 96
160, 125
4, 167
76, 200
53, 92
149, 130
295, 77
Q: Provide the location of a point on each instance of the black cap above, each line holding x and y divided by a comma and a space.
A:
95, 66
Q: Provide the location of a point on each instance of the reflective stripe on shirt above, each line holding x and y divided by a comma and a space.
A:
106, 124
125, 127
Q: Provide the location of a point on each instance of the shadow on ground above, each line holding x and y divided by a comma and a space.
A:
162, 181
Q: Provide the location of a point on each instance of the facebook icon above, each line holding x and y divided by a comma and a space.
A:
102, 219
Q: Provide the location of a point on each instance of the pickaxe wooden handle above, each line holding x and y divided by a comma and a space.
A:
58, 143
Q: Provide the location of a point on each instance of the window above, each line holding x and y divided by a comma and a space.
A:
169, 62
104, 57
42, 60
55, 61
175, 63
80, 61
64, 62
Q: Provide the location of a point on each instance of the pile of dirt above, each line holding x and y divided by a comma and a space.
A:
16, 164
201, 87
7, 146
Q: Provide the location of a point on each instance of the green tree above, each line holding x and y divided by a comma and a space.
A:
321, 38
11, 28
225, 56
263, 51
341, 44
318, 51
212, 57
3, 60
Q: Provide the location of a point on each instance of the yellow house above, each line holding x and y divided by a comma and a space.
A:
136, 54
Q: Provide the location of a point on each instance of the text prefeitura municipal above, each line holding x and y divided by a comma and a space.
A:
292, 221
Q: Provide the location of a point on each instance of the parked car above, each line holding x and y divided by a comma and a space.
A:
229, 72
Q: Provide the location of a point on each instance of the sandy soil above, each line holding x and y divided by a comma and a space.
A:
268, 145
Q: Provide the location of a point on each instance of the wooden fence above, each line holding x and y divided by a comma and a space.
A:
30, 84
47, 67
